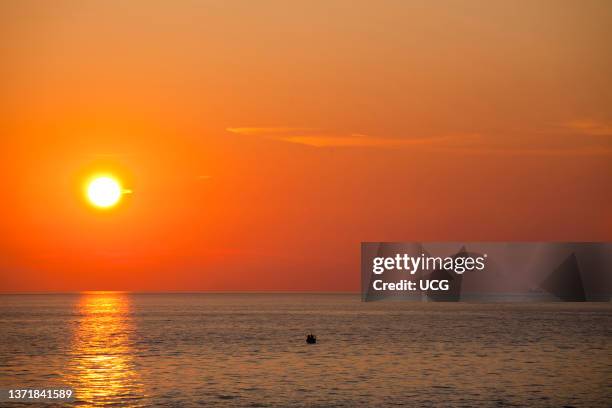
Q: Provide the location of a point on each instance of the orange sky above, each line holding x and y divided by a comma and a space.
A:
263, 141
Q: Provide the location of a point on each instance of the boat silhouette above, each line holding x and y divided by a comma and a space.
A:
311, 339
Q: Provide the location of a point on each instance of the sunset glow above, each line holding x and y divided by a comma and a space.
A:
263, 142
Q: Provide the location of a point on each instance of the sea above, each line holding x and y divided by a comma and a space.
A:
249, 350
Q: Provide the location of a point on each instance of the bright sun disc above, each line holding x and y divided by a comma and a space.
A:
104, 192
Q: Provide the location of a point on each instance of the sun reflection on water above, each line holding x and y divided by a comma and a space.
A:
102, 368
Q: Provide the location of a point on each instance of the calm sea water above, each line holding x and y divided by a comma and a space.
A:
182, 350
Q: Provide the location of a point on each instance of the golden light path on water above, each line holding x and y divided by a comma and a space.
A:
101, 368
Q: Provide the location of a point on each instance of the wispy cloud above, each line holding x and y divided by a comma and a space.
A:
268, 131
318, 138
360, 140
579, 137
589, 127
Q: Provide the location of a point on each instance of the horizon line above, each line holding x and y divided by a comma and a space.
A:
152, 292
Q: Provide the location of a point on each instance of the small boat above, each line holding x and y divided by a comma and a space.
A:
311, 339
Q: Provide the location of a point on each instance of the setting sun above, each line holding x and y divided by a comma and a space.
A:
104, 192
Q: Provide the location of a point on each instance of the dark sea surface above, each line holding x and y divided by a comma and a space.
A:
181, 350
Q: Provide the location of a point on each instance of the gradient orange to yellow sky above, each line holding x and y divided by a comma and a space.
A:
263, 141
